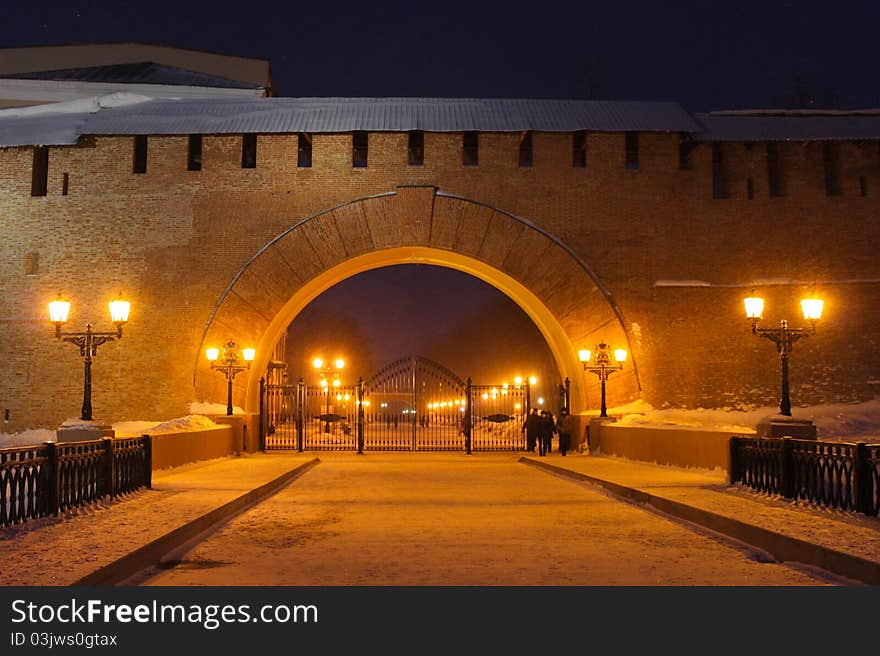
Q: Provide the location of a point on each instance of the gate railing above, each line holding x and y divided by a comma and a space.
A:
38, 481
841, 475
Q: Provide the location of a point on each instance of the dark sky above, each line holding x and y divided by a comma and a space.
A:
705, 54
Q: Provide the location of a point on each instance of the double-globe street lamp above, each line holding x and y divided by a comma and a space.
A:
329, 372
88, 340
783, 336
233, 361
599, 362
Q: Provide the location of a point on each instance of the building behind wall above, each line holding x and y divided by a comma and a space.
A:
677, 215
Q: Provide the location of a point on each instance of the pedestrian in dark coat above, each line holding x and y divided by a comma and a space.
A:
565, 427
545, 432
531, 426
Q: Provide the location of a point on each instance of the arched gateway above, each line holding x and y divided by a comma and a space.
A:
418, 225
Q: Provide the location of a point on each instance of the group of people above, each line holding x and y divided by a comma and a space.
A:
540, 429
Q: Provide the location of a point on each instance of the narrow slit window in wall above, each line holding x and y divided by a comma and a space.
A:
632, 150
65, 184
139, 157
304, 150
579, 149
470, 149
416, 148
525, 149
359, 145
248, 151
40, 171
831, 163
194, 153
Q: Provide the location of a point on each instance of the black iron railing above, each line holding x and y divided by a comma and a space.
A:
842, 475
38, 481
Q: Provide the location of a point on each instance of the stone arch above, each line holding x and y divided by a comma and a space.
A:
419, 225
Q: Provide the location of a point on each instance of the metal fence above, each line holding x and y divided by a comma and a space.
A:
38, 481
842, 475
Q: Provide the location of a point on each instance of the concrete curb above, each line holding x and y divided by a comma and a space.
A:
152, 553
781, 547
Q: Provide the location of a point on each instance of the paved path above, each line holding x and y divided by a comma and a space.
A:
451, 519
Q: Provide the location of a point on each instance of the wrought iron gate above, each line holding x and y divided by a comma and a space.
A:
412, 404
497, 416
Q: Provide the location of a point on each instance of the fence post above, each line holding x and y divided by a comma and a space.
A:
52, 477
733, 474
468, 418
360, 420
862, 479
300, 403
262, 413
109, 478
786, 471
148, 461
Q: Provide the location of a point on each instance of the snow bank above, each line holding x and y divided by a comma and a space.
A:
28, 437
180, 425
207, 408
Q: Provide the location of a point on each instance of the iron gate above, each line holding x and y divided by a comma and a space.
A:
412, 404
497, 416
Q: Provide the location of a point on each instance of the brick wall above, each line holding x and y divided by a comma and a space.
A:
172, 240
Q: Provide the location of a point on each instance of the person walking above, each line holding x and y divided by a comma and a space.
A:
565, 427
531, 426
545, 432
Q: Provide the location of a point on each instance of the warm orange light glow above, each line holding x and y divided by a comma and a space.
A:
58, 311
584, 355
336, 382
533, 380
812, 308
318, 363
323, 382
339, 363
249, 354
754, 307
517, 380
119, 310
620, 355
213, 354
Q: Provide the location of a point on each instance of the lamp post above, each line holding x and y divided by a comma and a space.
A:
88, 340
599, 362
329, 372
783, 336
232, 363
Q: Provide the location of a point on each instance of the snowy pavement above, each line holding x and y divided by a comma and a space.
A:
432, 518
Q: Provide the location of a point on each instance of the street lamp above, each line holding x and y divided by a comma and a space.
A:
599, 362
88, 340
232, 362
783, 336
329, 376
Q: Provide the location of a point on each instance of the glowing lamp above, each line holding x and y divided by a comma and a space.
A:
584, 355
119, 310
339, 363
533, 380
317, 363
336, 382
323, 382
754, 307
213, 354
620, 355
58, 311
517, 380
248, 354
812, 308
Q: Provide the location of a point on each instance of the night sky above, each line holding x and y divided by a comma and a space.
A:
706, 55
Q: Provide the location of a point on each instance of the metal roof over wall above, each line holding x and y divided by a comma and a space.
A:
125, 113
20, 126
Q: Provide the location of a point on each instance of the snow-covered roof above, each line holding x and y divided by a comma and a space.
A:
135, 73
789, 126
127, 114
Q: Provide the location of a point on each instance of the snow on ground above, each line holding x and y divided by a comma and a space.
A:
841, 421
207, 408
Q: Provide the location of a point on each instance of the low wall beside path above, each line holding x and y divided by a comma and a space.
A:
680, 447
174, 449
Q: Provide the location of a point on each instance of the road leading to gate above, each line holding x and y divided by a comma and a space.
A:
452, 519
